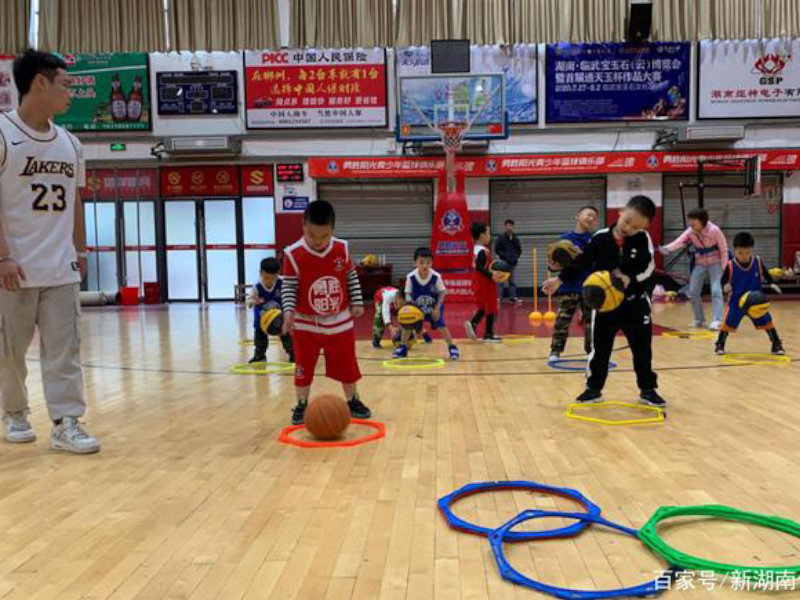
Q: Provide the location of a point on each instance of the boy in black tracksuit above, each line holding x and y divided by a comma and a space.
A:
626, 250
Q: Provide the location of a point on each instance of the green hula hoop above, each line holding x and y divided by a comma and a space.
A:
679, 560
409, 363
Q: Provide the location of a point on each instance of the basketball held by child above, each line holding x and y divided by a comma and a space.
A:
271, 321
410, 316
603, 292
503, 268
754, 304
327, 417
562, 253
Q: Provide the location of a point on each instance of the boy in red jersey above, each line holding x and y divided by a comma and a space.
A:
321, 295
484, 284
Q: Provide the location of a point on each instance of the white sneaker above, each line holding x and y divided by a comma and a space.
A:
554, 356
17, 428
715, 326
71, 437
470, 330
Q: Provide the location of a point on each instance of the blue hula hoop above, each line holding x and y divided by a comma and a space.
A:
502, 533
563, 364
445, 503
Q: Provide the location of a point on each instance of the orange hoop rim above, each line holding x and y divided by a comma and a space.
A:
380, 431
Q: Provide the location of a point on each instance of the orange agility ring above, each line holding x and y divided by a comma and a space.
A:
380, 431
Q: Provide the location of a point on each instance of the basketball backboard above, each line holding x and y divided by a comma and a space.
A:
426, 102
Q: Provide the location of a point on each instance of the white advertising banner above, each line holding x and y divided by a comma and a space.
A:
741, 79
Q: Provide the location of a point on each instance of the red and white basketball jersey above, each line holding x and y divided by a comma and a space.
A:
40, 173
323, 302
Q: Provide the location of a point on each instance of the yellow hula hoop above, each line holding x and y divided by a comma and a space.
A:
689, 335
658, 414
246, 342
518, 338
409, 363
265, 368
753, 358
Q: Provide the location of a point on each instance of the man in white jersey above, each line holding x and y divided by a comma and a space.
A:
42, 254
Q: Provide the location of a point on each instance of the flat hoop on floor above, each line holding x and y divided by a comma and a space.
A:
264, 368
414, 362
657, 414
680, 560
689, 335
445, 504
509, 573
754, 358
574, 364
380, 431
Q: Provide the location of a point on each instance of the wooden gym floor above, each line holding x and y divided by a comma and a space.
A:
193, 497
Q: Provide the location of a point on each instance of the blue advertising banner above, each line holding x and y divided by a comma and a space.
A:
617, 82
197, 93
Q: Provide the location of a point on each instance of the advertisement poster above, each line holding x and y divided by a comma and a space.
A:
749, 78
8, 91
329, 88
517, 63
110, 92
617, 82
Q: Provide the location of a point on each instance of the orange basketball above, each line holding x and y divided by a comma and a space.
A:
327, 417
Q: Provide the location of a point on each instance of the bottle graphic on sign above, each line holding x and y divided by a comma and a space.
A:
119, 108
134, 109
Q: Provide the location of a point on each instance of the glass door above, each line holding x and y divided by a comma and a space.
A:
220, 264
100, 219
140, 243
258, 224
182, 249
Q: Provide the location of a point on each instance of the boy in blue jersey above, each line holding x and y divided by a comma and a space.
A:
266, 295
425, 289
570, 297
746, 273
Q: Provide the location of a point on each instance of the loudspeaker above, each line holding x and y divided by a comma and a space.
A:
640, 20
450, 56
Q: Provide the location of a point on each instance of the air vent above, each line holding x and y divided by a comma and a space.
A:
220, 145
725, 133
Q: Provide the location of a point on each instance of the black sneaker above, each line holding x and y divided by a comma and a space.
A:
426, 337
492, 339
358, 409
590, 396
258, 358
299, 413
777, 348
376, 342
291, 356
719, 349
651, 398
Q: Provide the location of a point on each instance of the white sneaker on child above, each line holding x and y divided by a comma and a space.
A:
17, 428
70, 436
715, 326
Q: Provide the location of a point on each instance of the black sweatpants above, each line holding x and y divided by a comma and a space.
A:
633, 318
262, 342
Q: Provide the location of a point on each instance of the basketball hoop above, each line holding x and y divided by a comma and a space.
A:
772, 198
452, 133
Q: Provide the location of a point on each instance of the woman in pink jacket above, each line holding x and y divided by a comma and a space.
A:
710, 258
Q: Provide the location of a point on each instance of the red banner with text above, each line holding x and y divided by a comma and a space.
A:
509, 165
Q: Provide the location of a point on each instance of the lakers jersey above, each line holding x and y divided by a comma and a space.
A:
40, 174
